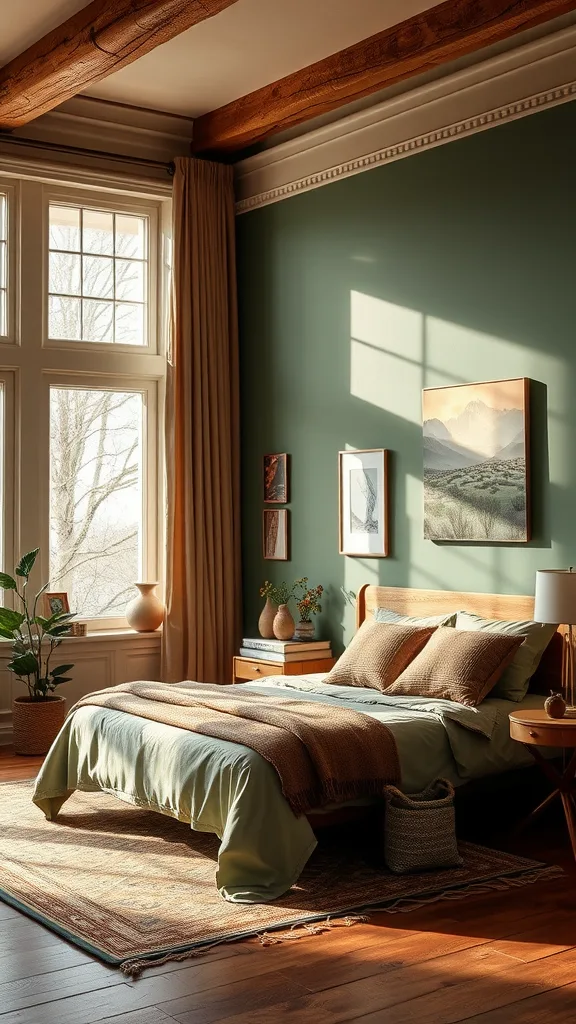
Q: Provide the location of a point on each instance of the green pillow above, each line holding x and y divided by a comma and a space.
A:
513, 683
387, 615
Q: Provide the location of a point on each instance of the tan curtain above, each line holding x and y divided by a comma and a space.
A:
202, 625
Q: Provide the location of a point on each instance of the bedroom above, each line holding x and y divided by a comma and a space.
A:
415, 234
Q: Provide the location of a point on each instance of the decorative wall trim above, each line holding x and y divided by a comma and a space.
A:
100, 659
511, 85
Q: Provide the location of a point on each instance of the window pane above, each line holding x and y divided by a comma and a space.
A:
64, 228
95, 497
98, 232
130, 324
2, 458
130, 280
130, 237
110, 266
97, 320
98, 277
64, 318
64, 273
3, 265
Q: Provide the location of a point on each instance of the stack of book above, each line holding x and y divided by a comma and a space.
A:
285, 650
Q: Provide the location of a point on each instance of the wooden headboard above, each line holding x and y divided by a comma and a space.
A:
407, 601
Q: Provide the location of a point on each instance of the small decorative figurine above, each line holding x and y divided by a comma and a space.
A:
555, 705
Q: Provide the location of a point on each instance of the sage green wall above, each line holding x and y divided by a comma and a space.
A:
456, 264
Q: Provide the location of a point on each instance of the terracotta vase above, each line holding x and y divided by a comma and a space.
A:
283, 623
266, 620
146, 612
304, 630
37, 723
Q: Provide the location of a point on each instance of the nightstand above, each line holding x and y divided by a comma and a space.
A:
535, 729
244, 669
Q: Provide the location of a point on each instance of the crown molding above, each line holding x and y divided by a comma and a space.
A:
512, 84
114, 128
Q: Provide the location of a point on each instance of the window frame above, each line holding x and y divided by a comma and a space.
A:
8, 473
30, 363
151, 472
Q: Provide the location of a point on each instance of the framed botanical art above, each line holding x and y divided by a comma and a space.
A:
363, 500
477, 462
275, 471
275, 534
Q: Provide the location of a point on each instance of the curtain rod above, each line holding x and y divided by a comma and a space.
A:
167, 166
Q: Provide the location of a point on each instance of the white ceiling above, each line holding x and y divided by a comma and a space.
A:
248, 45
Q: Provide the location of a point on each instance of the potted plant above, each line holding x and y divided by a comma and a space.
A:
39, 716
308, 605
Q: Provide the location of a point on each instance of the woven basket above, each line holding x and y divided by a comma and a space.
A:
420, 830
37, 723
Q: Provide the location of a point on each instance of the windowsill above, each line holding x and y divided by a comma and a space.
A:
105, 636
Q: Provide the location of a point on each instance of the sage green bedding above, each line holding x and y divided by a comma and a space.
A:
228, 789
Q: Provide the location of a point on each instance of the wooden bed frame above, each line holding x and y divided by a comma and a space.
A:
408, 601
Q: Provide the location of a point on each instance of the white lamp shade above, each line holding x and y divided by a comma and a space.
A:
555, 596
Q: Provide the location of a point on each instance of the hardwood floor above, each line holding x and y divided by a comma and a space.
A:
507, 957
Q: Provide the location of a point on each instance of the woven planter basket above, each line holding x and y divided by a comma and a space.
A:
37, 723
420, 830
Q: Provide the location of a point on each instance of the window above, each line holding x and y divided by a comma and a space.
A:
96, 484
98, 276
3, 265
90, 367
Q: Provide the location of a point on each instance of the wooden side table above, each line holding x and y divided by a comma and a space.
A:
245, 669
535, 729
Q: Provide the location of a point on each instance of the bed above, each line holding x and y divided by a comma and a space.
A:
230, 790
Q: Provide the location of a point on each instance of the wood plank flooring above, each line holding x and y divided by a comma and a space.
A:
507, 957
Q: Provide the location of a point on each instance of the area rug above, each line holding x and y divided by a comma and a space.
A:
132, 886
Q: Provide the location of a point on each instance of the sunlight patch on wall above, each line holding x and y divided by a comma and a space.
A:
386, 355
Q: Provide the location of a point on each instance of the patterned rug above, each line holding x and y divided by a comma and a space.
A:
131, 886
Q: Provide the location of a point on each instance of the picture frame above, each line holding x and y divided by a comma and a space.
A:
363, 514
476, 462
55, 603
275, 478
275, 534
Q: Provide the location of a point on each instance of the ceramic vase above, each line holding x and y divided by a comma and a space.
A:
283, 623
304, 630
266, 620
146, 612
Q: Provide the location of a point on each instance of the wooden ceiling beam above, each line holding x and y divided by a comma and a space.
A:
96, 41
441, 34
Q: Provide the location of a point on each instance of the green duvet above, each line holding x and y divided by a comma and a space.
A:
228, 789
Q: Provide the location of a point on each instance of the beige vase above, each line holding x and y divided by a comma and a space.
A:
146, 612
266, 620
37, 723
283, 623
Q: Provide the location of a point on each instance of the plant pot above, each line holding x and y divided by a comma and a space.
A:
266, 620
283, 623
37, 723
146, 612
304, 631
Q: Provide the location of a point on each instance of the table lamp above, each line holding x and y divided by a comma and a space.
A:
555, 602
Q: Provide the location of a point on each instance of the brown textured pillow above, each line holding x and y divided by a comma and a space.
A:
377, 655
457, 665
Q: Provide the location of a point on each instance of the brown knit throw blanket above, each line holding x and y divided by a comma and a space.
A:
322, 753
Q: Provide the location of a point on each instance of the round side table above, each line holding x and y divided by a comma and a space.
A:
535, 729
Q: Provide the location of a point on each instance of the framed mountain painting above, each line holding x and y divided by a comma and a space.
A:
477, 462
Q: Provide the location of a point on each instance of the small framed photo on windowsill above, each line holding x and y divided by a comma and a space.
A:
55, 604
363, 498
